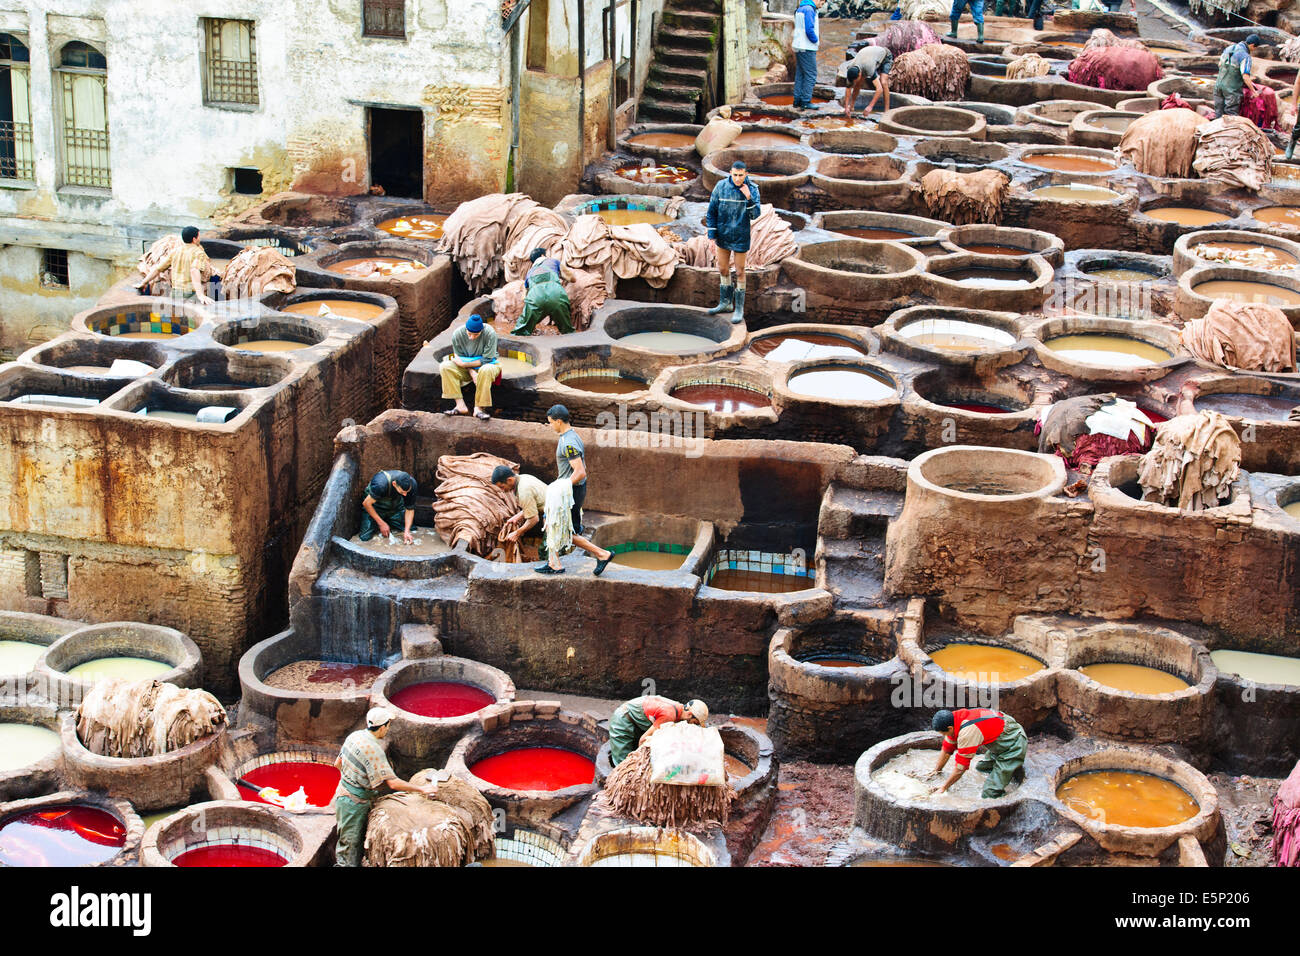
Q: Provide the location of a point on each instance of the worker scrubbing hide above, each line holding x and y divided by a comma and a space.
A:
412, 829
631, 791
148, 718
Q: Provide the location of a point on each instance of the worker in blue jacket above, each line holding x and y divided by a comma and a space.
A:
732, 207
805, 45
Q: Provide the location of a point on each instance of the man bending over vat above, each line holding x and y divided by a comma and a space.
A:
188, 269
871, 64
388, 494
364, 771
637, 719
1234, 72
531, 492
473, 358
544, 296
966, 731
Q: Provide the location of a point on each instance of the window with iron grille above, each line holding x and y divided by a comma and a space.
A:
54, 269
81, 81
229, 63
46, 574
16, 160
383, 18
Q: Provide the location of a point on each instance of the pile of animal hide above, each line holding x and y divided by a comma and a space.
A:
257, 270
1193, 462
467, 506
480, 232
770, 240
1162, 143
1260, 107
147, 718
1065, 431
1289, 52
1102, 38
629, 792
412, 829
963, 198
904, 36
1241, 335
1027, 67
937, 72
1116, 68
1235, 151
626, 251
160, 253
924, 9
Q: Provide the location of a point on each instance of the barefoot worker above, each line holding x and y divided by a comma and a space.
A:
871, 65
633, 720
966, 731
389, 493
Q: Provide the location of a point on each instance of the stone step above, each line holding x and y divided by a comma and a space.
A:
712, 7
852, 514
696, 60
663, 91
658, 111
853, 571
669, 75
691, 21
675, 39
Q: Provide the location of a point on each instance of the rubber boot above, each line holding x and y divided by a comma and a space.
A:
953, 32
980, 28
739, 315
1290, 149
725, 302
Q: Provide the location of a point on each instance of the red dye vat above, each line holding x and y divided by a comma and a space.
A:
977, 407
229, 854
61, 836
441, 698
361, 675
536, 768
317, 780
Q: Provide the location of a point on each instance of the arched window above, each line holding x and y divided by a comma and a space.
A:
15, 110
81, 82
230, 63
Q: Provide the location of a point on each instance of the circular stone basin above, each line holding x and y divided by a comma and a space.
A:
334, 309
1260, 408
903, 777
663, 557
1127, 798
935, 119
980, 408
22, 745
1257, 668
269, 345
955, 335
127, 668
1134, 678
761, 138
842, 383
987, 471
441, 699
865, 232
982, 277
659, 173
424, 226
1068, 163
1246, 255
536, 768
19, 657
992, 249
646, 846
602, 381
796, 347
318, 781
1259, 293
375, 267
228, 855
1186, 215
724, 398
667, 342
72, 835
323, 676
985, 663
664, 140
1110, 351
757, 116
787, 99
1278, 215
1072, 192
1115, 124
631, 217
1103, 270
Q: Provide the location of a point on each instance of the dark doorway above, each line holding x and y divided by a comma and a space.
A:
397, 151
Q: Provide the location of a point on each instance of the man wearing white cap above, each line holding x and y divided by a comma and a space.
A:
642, 716
364, 772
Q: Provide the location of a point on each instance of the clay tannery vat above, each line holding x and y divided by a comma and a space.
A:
924, 458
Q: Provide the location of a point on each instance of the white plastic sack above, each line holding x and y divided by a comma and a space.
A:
687, 755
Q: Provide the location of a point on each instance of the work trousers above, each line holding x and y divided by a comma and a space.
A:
624, 734
805, 77
1226, 101
1004, 758
455, 378
976, 10
546, 299
352, 816
395, 517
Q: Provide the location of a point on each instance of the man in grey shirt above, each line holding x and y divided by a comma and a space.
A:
570, 459
872, 63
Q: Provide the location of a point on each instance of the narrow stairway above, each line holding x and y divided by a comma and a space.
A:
685, 59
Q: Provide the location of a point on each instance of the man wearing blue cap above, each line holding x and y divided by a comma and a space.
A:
1234, 72
473, 358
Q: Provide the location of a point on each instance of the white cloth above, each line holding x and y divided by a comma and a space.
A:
1119, 419
559, 516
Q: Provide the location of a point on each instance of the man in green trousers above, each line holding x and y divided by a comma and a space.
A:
966, 731
364, 773
544, 296
641, 715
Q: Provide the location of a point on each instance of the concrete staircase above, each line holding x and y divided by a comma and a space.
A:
679, 86
851, 546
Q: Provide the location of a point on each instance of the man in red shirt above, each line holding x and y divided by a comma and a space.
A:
966, 731
635, 719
